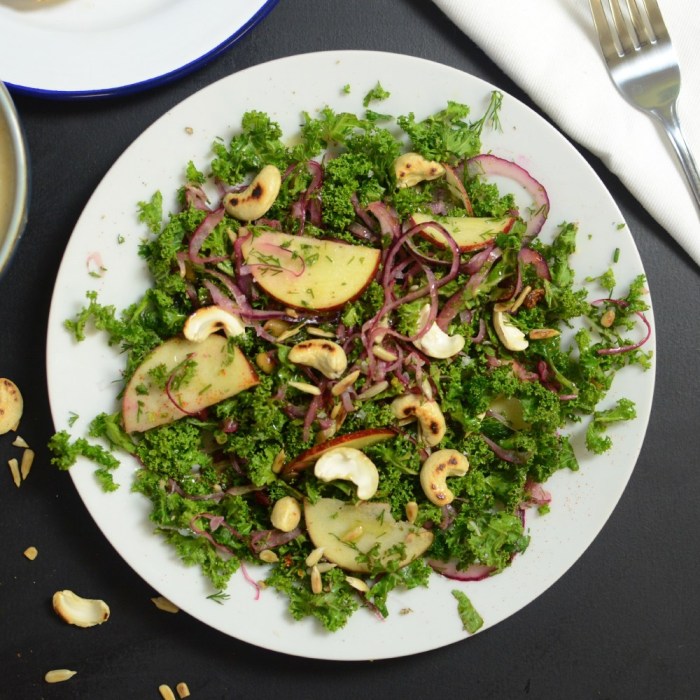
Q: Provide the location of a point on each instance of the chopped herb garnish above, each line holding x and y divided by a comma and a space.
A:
377, 93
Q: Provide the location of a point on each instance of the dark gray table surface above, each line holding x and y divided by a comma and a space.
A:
622, 623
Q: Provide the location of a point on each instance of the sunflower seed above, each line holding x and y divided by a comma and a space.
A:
315, 556
268, 556
306, 388
357, 583
59, 675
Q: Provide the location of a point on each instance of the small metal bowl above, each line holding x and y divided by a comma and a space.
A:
14, 179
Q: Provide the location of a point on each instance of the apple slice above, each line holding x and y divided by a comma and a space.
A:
220, 371
345, 530
511, 409
469, 232
358, 440
456, 187
309, 273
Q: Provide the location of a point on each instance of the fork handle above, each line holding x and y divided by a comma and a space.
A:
668, 116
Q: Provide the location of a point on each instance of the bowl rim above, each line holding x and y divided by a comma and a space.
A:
19, 205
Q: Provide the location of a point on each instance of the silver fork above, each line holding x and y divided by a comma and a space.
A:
643, 65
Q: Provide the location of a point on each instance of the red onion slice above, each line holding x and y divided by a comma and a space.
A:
532, 257
506, 455
268, 539
387, 218
456, 186
448, 569
537, 495
490, 165
200, 235
196, 197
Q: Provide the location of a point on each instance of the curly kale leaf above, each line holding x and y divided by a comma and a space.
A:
445, 136
141, 327
347, 176
174, 451
160, 252
333, 607
151, 212
376, 94
258, 144
411, 576
596, 440
66, 453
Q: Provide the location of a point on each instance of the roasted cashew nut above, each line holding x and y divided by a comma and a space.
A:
286, 514
432, 422
435, 471
82, 612
257, 198
412, 168
404, 407
11, 406
349, 464
435, 342
327, 357
210, 319
430, 418
508, 333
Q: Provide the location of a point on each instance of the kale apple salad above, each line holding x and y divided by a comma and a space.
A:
351, 364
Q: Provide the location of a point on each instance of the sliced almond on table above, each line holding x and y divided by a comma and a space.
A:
182, 690
166, 692
14, 469
164, 604
26, 464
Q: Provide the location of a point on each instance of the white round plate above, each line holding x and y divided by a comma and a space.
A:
87, 48
82, 375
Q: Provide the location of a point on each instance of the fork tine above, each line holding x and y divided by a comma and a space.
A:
623, 34
640, 27
607, 42
656, 20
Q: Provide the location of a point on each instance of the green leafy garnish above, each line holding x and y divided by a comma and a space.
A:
377, 93
471, 620
596, 440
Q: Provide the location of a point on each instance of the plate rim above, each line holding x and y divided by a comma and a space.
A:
130, 88
643, 426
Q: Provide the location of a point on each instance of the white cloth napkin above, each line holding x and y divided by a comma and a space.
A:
551, 50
